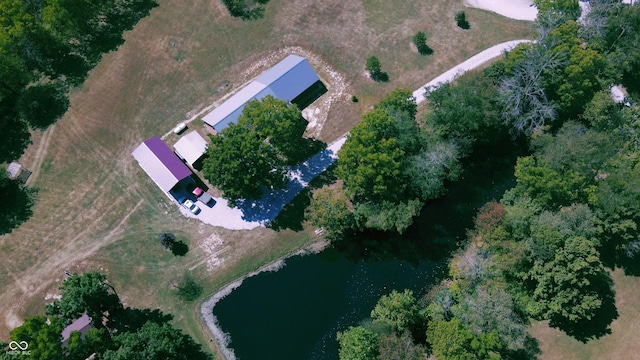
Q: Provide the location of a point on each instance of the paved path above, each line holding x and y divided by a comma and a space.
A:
467, 65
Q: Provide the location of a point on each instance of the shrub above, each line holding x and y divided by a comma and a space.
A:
188, 289
461, 19
420, 41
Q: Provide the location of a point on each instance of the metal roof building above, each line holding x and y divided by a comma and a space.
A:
285, 81
191, 147
161, 164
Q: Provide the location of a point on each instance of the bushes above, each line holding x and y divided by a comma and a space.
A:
420, 41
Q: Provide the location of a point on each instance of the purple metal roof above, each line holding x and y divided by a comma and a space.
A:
168, 158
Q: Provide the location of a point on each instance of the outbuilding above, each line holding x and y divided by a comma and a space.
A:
191, 148
162, 165
287, 80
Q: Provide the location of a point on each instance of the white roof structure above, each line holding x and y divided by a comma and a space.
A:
191, 147
285, 81
14, 170
161, 164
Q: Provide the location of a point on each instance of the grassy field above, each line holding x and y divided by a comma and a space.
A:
96, 208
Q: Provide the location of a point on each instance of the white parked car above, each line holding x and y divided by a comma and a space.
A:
191, 206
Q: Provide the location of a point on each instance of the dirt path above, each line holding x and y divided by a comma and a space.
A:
42, 151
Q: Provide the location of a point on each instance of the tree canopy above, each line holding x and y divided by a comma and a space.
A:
254, 154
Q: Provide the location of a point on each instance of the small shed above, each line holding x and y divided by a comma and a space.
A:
18, 172
81, 324
191, 147
287, 80
162, 165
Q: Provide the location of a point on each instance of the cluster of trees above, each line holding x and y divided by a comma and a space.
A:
256, 152
543, 250
46, 47
385, 172
246, 9
118, 333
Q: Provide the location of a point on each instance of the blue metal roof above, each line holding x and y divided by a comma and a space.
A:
286, 80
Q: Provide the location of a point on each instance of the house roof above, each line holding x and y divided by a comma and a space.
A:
79, 324
160, 163
286, 80
14, 170
191, 147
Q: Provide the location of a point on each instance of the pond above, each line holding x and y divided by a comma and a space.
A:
295, 313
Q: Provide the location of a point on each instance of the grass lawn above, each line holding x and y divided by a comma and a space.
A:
96, 208
622, 343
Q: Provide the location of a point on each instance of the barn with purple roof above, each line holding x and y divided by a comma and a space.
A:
162, 165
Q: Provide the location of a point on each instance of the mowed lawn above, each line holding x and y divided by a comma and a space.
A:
96, 208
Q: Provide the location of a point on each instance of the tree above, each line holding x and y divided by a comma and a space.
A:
568, 9
400, 347
154, 341
168, 240
42, 336
374, 68
278, 121
420, 41
42, 104
188, 288
466, 111
567, 286
241, 163
548, 187
358, 343
526, 107
432, 167
397, 310
461, 20
330, 210
95, 341
451, 340
370, 161
86, 293
489, 310
16, 204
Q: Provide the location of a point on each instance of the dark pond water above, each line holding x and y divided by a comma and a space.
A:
296, 312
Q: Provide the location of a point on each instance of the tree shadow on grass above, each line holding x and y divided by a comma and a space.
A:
132, 319
180, 249
380, 76
598, 326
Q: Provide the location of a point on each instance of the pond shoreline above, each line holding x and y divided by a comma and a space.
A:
223, 339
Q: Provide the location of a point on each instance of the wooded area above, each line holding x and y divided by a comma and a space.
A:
541, 252
48, 47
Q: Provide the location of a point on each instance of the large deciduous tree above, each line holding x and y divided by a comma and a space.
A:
358, 343
330, 210
254, 153
566, 288
87, 293
154, 341
241, 163
398, 310
42, 336
279, 122
16, 204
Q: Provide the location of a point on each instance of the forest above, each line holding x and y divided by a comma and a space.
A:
47, 47
544, 249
